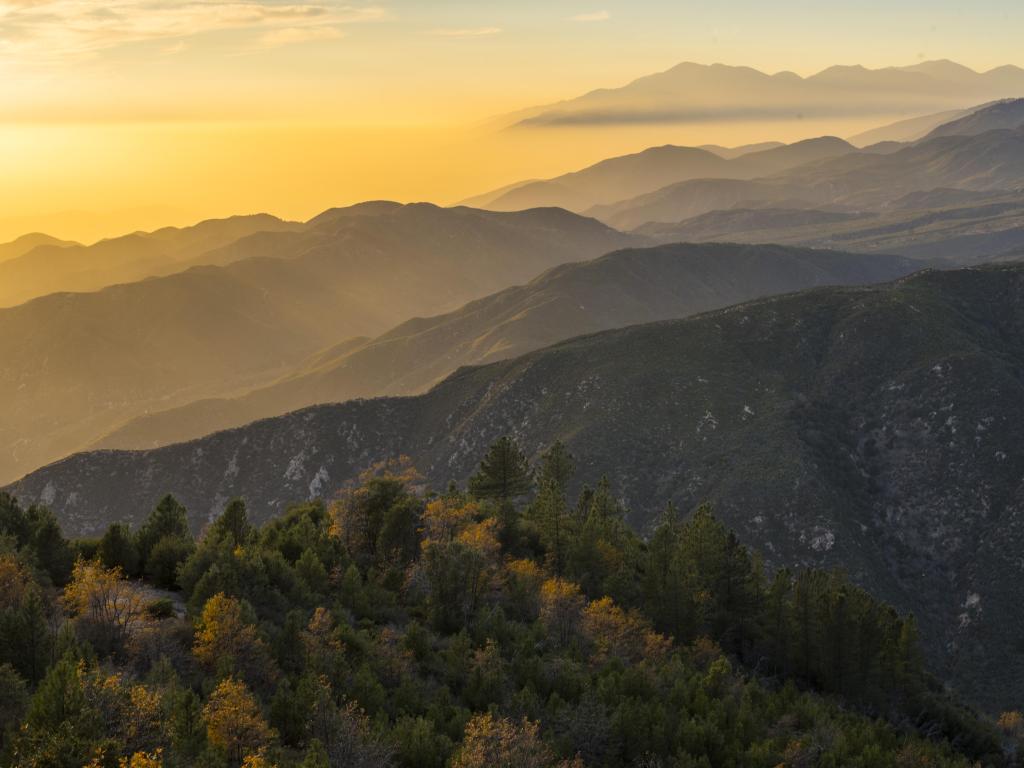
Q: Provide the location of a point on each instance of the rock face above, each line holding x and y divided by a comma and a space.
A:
872, 429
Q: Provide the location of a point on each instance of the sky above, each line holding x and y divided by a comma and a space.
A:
121, 114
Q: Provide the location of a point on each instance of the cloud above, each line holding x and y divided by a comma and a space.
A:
291, 35
594, 16
470, 32
72, 29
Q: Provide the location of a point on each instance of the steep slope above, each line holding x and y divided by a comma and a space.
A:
1003, 115
956, 226
910, 129
985, 162
873, 429
622, 288
77, 365
52, 267
623, 177
693, 93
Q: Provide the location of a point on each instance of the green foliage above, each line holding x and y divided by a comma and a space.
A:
168, 518
504, 473
165, 557
117, 549
13, 702
395, 631
36, 533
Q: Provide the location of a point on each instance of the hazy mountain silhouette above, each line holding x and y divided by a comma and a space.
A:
863, 180
26, 243
50, 267
695, 93
871, 429
77, 365
622, 288
908, 130
619, 178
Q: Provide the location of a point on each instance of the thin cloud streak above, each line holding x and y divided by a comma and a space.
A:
72, 29
595, 16
472, 32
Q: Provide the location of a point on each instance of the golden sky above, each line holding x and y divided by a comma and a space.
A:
117, 114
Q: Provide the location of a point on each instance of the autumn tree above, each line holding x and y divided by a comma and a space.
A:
227, 642
459, 558
234, 722
378, 519
561, 604
622, 634
107, 607
491, 742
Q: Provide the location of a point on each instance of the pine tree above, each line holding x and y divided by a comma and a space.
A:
504, 473
168, 518
557, 466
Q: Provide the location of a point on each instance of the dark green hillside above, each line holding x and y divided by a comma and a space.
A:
873, 429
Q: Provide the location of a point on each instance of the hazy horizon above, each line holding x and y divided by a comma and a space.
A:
125, 116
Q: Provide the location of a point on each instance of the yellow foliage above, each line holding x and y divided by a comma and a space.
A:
482, 538
102, 596
1012, 723
561, 602
624, 634
257, 760
444, 518
234, 722
14, 580
526, 570
223, 632
143, 760
489, 742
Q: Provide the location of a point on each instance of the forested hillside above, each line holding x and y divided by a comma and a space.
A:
504, 624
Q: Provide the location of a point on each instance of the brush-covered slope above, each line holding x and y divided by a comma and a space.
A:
622, 288
49, 267
624, 177
78, 365
874, 429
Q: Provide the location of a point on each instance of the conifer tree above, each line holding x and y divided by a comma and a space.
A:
504, 473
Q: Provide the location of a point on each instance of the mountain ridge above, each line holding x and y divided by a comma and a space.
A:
618, 289
843, 427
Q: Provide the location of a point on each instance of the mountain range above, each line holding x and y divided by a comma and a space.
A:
620, 289
76, 365
52, 266
872, 429
630, 175
690, 93
986, 162
673, 183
